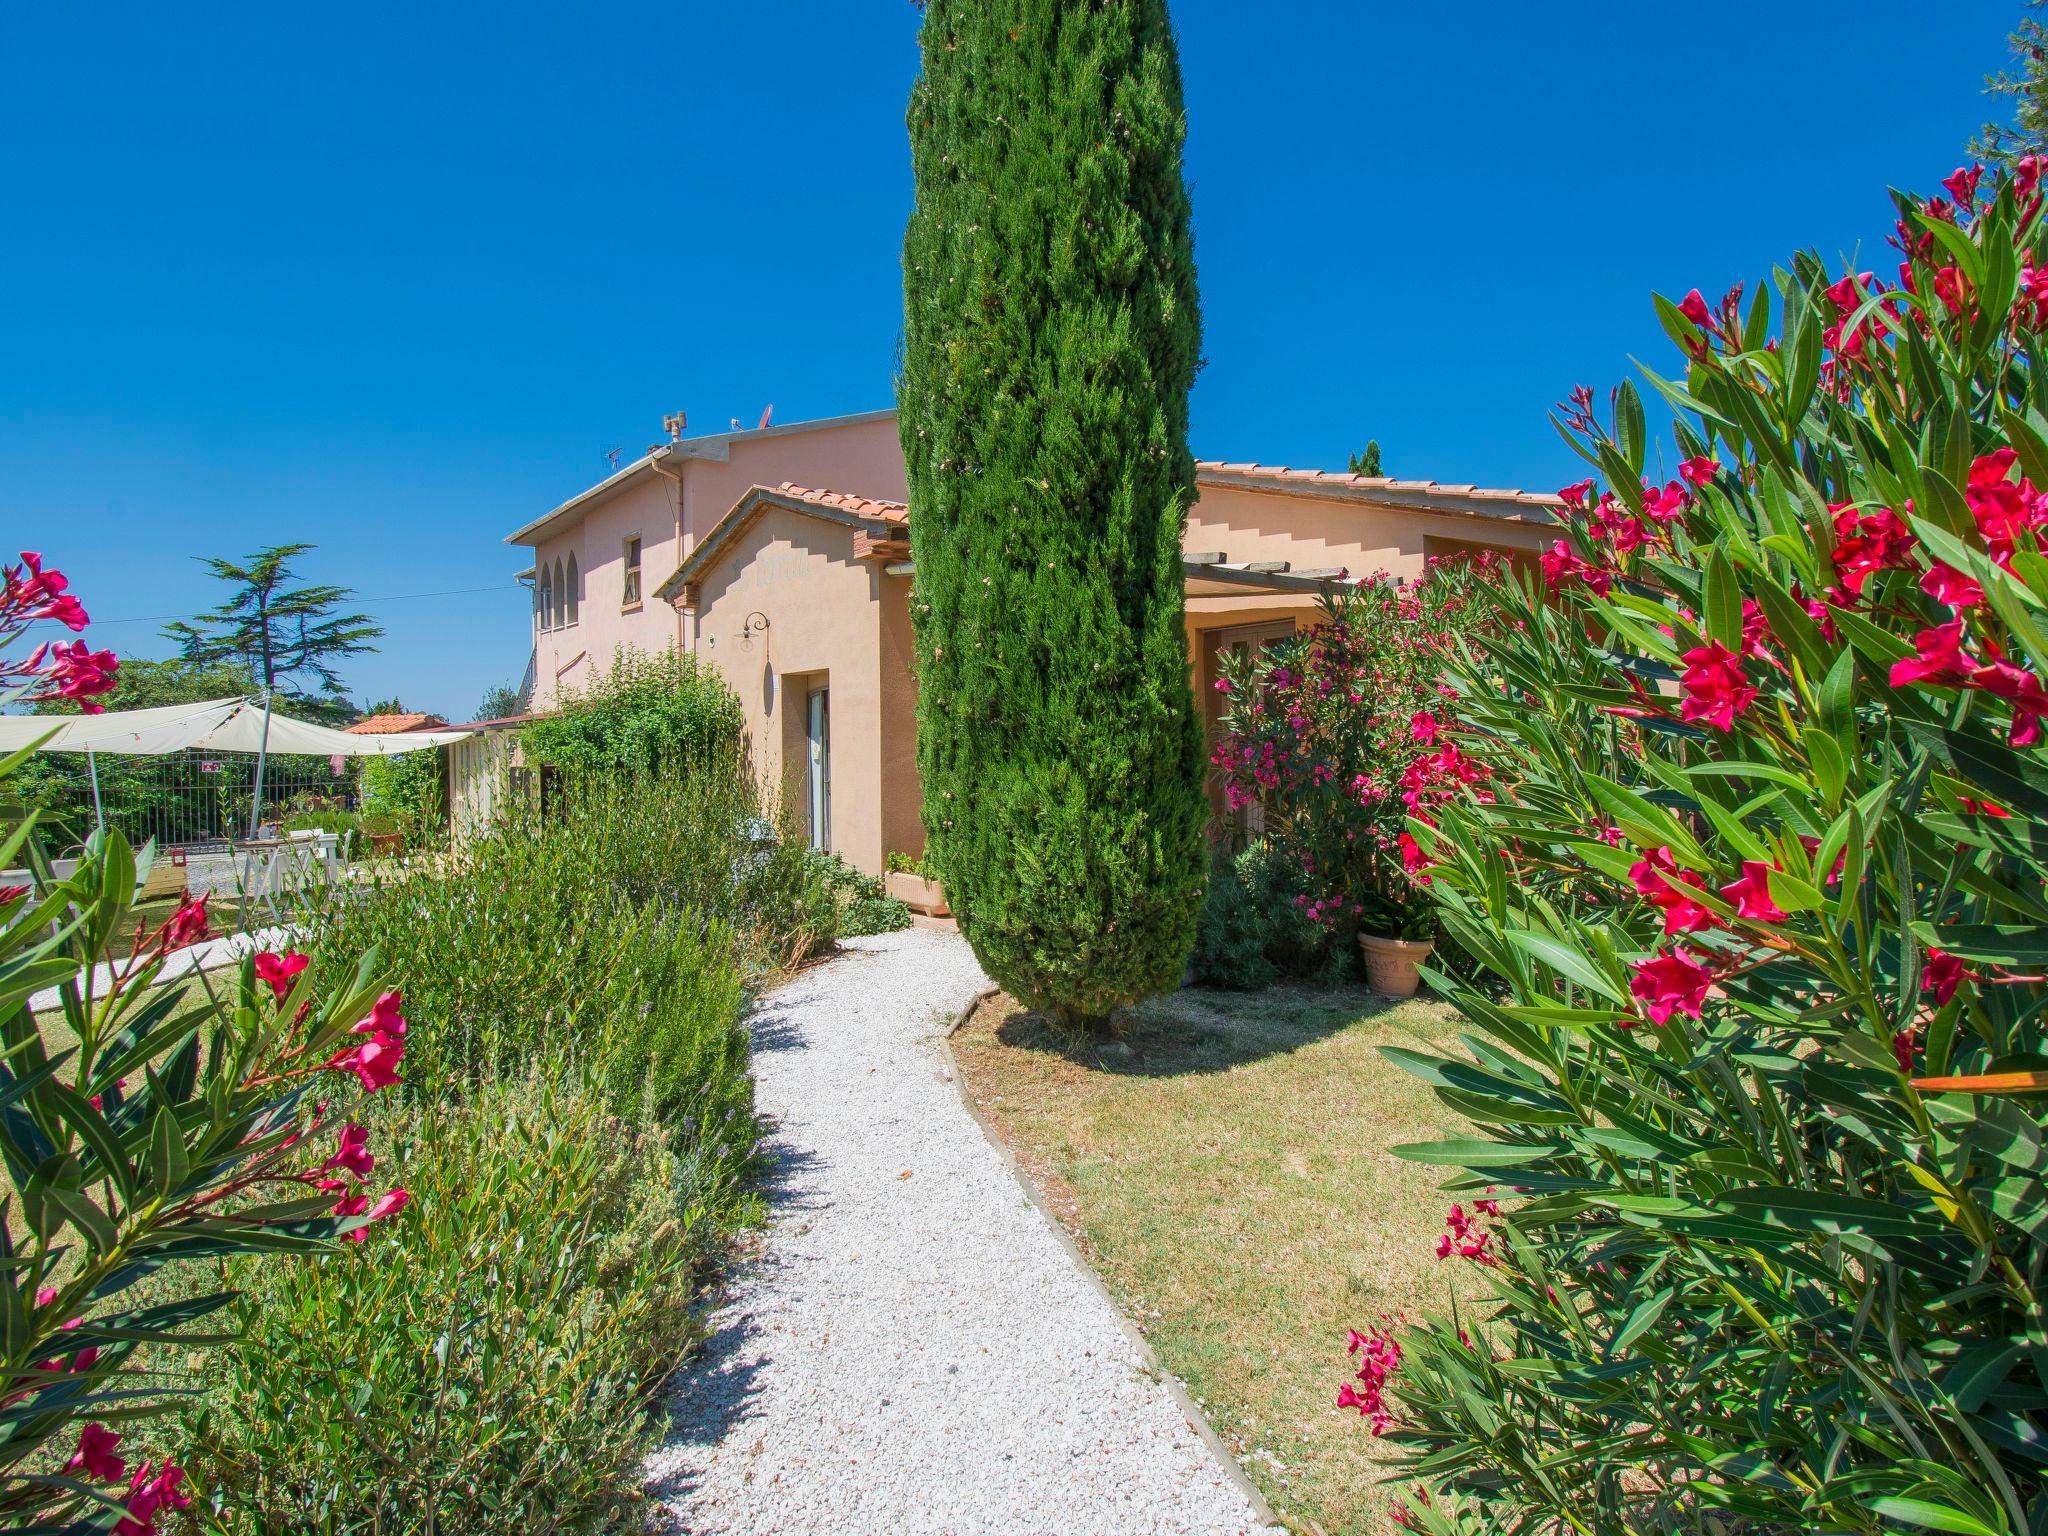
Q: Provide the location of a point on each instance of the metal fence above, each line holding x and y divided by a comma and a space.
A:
189, 799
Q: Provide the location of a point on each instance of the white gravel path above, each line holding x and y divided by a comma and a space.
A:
916, 1350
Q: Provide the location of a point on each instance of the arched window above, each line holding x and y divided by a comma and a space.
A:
547, 600
561, 597
572, 595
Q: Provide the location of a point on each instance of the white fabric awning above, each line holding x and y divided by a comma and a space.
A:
218, 725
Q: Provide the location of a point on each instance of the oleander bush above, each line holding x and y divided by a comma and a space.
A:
146, 1131
1256, 928
526, 1312
1740, 819
1332, 735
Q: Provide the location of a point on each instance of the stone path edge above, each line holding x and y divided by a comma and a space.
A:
1175, 1388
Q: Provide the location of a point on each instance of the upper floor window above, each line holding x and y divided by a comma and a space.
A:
546, 601
572, 595
629, 593
561, 597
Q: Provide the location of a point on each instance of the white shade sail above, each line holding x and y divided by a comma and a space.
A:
218, 725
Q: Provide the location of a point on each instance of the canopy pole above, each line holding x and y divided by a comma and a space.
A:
262, 752
92, 767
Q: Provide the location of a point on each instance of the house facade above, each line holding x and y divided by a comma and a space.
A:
783, 558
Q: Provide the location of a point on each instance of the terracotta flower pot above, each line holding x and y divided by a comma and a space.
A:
1390, 964
917, 893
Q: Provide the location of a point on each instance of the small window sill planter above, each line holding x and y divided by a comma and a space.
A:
1390, 964
917, 893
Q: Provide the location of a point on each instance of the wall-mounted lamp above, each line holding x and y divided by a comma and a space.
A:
756, 624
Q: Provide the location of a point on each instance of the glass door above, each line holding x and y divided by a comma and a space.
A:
818, 728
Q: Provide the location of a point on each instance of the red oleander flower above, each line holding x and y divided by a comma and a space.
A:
352, 1153
1939, 658
151, 1494
389, 1203
2002, 507
375, 1064
1869, 542
279, 971
1694, 308
72, 671
1714, 687
2019, 688
1379, 1356
1951, 587
1751, 895
1659, 880
1561, 565
1670, 982
187, 925
1667, 505
1961, 184
95, 1459
1942, 974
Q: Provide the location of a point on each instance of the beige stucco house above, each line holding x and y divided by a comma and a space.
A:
782, 557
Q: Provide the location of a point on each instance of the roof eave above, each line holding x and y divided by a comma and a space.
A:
757, 500
713, 446
1495, 506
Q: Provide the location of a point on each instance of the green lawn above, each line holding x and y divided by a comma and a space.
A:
1224, 1165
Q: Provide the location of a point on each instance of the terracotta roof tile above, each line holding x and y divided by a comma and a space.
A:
395, 725
859, 506
1338, 480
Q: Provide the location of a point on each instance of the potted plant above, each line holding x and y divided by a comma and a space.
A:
914, 883
1395, 936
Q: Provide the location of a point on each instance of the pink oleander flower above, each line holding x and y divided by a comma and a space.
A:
384, 1017
2019, 688
1379, 1356
375, 1063
352, 1153
1694, 308
1561, 565
1869, 542
10, 894
1751, 895
1961, 184
1659, 880
1939, 658
1699, 471
95, 1459
1423, 728
1951, 587
187, 925
389, 1203
150, 1494
73, 671
1667, 505
1942, 974
1670, 982
280, 970
1574, 496
1714, 687
2003, 508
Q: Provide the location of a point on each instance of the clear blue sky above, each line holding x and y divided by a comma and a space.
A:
393, 279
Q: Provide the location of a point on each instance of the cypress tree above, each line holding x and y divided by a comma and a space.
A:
1050, 338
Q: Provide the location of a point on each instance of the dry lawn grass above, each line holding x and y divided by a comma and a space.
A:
1223, 1163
